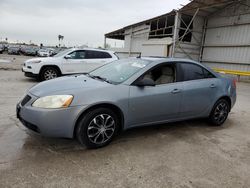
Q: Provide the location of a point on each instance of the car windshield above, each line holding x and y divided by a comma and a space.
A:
63, 53
119, 71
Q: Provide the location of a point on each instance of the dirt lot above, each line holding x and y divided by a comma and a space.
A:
12, 62
185, 154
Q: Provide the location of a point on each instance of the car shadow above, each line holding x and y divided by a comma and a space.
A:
178, 129
185, 130
31, 80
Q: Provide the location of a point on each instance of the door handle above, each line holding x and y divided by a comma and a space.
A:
212, 86
175, 91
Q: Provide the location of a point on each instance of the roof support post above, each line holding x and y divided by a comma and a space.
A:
105, 42
203, 39
130, 42
175, 32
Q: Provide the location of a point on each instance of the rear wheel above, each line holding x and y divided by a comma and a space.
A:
220, 112
97, 128
49, 73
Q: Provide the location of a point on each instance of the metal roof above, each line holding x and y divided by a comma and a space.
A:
206, 8
119, 34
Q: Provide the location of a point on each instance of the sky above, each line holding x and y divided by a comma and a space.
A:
81, 22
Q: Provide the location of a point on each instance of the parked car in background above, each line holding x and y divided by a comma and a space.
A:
70, 61
31, 51
52, 51
14, 50
125, 94
1, 48
22, 49
43, 53
55, 51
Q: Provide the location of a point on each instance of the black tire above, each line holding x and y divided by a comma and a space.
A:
220, 112
49, 73
92, 133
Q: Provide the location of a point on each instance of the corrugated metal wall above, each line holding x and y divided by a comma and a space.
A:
227, 40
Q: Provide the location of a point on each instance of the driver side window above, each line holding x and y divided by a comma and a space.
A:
164, 74
77, 54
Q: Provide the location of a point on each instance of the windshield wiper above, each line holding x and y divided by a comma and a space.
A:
99, 78
86, 74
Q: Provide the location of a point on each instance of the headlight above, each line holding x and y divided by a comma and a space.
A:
35, 61
54, 101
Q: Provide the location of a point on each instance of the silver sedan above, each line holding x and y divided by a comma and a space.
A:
127, 93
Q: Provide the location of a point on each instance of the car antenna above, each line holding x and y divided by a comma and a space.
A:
139, 56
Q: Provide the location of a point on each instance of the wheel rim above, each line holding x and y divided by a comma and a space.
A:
101, 129
50, 74
221, 112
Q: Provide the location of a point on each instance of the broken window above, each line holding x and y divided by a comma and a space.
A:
185, 22
170, 25
162, 27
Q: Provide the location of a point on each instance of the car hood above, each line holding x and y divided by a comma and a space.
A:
49, 59
66, 84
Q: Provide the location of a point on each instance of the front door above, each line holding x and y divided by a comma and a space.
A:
75, 62
158, 103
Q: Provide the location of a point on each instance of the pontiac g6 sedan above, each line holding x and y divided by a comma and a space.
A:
127, 93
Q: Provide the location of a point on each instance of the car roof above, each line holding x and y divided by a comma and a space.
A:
157, 60
94, 49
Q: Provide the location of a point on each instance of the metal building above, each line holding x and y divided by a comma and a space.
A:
215, 32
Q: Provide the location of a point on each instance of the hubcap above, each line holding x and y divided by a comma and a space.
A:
50, 74
221, 112
101, 129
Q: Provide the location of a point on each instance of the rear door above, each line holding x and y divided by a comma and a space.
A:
199, 88
95, 59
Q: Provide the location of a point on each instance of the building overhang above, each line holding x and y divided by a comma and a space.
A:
206, 8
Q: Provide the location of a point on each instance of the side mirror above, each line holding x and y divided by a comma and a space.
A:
67, 57
145, 82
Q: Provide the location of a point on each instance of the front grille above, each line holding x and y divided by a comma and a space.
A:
25, 100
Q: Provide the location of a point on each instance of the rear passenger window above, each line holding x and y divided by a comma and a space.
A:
207, 74
97, 55
191, 72
194, 72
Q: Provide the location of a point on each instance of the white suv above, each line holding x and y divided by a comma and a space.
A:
70, 61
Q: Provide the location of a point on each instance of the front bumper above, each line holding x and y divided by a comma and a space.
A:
48, 122
27, 73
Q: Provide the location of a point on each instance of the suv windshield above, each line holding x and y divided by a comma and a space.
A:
120, 70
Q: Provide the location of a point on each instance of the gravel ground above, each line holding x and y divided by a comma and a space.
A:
12, 62
184, 154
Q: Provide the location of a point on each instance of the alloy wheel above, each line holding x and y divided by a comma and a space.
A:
50, 74
101, 129
221, 112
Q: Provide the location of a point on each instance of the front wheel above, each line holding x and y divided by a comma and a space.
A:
49, 73
97, 128
220, 112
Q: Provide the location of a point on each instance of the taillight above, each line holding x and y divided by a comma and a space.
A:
234, 83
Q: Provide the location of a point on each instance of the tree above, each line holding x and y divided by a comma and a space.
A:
60, 38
